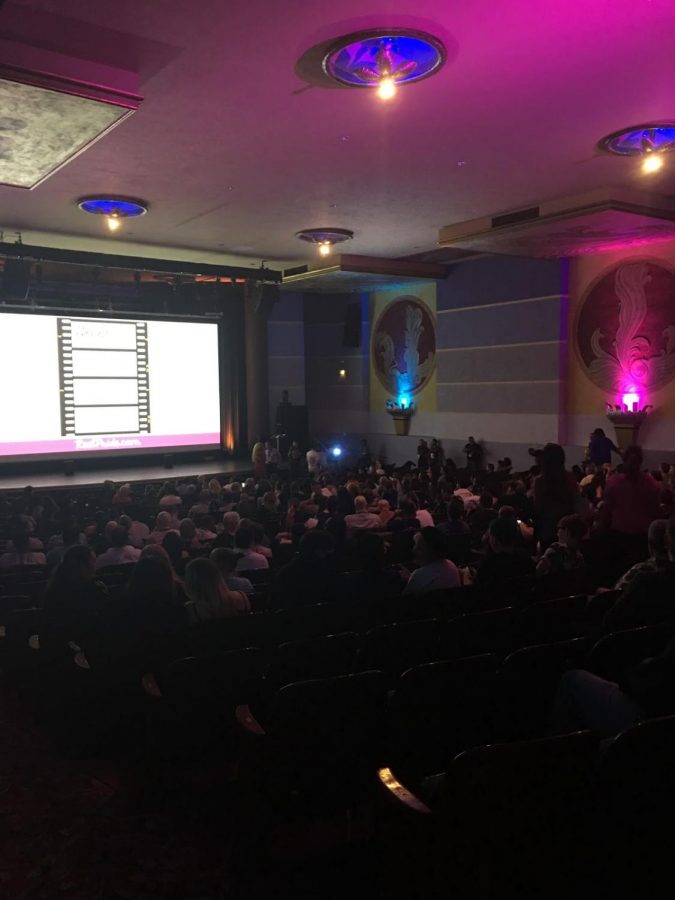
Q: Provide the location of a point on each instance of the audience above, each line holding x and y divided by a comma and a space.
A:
250, 559
361, 519
120, 551
227, 560
208, 595
434, 571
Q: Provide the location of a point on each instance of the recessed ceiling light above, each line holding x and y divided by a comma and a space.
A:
114, 209
383, 59
649, 142
325, 238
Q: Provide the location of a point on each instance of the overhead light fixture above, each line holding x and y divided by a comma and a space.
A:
383, 59
325, 238
114, 209
650, 143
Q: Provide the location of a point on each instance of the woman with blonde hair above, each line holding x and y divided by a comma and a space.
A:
208, 595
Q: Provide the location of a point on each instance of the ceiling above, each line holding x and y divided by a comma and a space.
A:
235, 152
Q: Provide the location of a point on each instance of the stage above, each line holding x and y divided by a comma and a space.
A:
55, 481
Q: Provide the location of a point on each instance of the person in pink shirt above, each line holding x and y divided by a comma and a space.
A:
631, 503
631, 498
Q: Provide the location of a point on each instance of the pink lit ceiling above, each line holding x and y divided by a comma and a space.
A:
235, 152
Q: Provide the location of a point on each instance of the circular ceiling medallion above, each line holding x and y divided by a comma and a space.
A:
403, 346
325, 235
657, 137
364, 58
110, 205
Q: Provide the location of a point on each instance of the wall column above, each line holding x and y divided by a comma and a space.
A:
255, 344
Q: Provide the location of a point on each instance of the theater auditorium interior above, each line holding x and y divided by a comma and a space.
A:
337, 449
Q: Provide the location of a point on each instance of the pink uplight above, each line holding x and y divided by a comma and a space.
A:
631, 400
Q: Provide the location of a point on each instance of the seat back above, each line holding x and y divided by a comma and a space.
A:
322, 657
394, 648
474, 634
528, 680
303, 622
439, 709
616, 654
553, 620
328, 734
236, 633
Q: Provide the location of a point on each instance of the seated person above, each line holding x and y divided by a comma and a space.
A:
361, 519
250, 559
227, 560
504, 563
647, 599
138, 531
120, 552
208, 595
373, 579
585, 701
225, 538
177, 552
483, 515
21, 554
405, 517
564, 555
384, 512
74, 602
658, 555
456, 524
465, 493
434, 572
163, 524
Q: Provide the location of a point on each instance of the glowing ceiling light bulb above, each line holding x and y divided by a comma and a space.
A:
114, 222
324, 248
386, 88
652, 163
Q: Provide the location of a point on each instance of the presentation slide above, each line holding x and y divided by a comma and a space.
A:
83, 385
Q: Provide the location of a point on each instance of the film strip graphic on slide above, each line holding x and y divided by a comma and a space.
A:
104, 377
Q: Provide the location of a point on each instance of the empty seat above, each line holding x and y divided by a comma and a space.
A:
553, 620
394, 648
322, 657
476, 633
325, 739
439, 709
528, 680
236, 633
313, 621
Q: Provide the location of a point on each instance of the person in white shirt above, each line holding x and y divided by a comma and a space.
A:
435, 572
120, 552
361, 519
243, 541
316, 460
468, 497
425, 518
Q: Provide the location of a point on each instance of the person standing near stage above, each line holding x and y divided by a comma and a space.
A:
259, 458
474, 455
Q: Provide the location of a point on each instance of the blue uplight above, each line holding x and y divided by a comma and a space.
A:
363, 59
123, 207
336, 451
652, 138
404, 401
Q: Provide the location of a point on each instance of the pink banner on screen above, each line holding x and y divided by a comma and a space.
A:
92, 443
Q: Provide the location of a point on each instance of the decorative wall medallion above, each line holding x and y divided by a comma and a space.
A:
625, 330
403, 346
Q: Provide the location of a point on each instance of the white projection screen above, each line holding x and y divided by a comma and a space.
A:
86, 386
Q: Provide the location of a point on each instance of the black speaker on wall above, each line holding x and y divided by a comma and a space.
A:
352, 333
15, 279
266, 296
